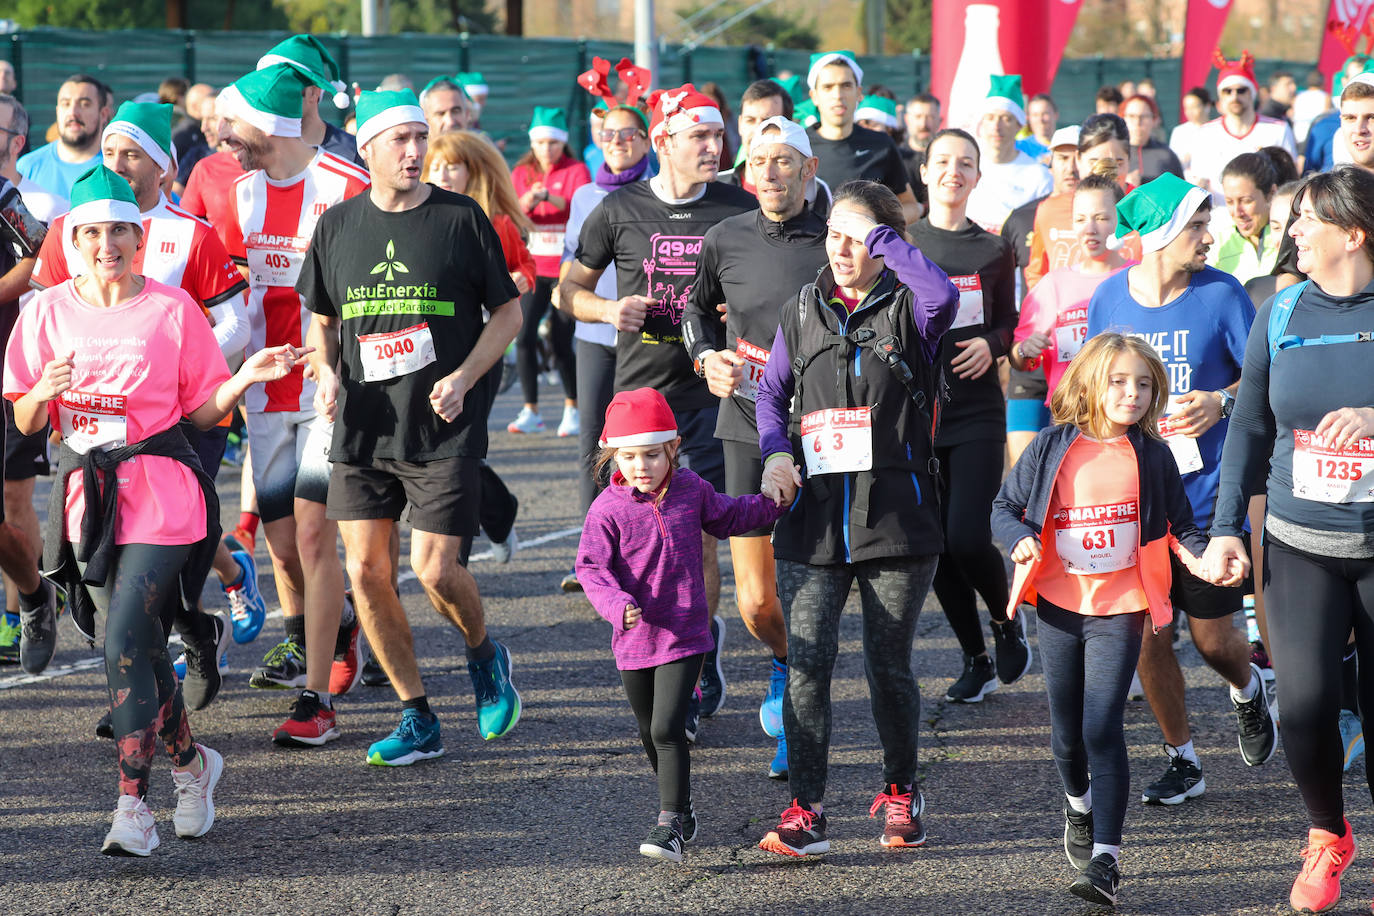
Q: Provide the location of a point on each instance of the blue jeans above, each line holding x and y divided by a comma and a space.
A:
1088, 664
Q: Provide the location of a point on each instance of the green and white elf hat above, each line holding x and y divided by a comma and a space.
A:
305, 55
805, 114
101, 196
1004, 94
474, 84
453, 81
268, 99
147, 124
548, 124
1159, 210
877, 108
826, 58
379, 111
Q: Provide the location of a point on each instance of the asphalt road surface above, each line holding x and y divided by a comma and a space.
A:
548, 819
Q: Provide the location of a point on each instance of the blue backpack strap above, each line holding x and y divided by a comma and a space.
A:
1279, 314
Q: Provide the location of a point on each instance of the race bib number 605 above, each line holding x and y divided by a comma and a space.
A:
838, 440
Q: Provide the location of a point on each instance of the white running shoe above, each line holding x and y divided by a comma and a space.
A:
571, 423
502, 552
134, 832
195, 813
527, 421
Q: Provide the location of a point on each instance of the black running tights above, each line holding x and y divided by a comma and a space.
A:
659, 698
971, 565
535, 304
1314, 603
139, 601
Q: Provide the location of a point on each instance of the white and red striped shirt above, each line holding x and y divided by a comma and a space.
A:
272, 225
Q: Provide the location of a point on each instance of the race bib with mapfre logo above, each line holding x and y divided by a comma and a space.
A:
1324, 473
1097, 539
274, 260
1070, 330
397, 353
90, 420
755, 361
970, 301
547, 241
838, 440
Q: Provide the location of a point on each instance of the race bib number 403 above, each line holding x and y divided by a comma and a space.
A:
397, 353
1097, 539
92, 420
1324, 473
838, 440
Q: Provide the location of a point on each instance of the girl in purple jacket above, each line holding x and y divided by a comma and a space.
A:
640, 563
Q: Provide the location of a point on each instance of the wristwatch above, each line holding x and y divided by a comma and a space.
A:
1228, 401
699, 364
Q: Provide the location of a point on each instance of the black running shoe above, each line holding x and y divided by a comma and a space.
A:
978, 680
1180, 782
373, 675
105, 727
663, 842
1011, 648
1259, 735
693, 717
1099, 882
689, 823
712, 675
203, 679
1078, 837
570, 584
282, 668
38, 631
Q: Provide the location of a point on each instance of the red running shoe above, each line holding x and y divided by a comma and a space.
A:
310, 724
351, 653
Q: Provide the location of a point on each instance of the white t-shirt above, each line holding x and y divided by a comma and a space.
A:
44, 205
1216, 147
1183, 140
1004, 186
1309, 105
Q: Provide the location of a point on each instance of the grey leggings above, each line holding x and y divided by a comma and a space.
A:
891, 592
1088, 664
139, 601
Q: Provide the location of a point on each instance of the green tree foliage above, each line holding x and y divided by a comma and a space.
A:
758, 28
406, 15
145, 14
908, 26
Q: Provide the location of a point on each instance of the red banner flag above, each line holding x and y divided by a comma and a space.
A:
973, 39
1063, 14
1345, 21
1206, 19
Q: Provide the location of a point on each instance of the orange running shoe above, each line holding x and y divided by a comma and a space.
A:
1318, 887
800, 833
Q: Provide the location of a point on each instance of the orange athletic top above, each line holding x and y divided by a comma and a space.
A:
1094, 518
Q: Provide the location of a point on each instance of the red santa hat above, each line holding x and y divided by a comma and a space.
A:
639, 417
682, 108
1231, 72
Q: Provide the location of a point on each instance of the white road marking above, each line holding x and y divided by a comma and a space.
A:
86, 664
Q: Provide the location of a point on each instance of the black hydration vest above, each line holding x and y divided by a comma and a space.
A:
871, 359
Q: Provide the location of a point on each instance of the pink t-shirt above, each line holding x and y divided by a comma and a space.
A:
1058, 306
139, 368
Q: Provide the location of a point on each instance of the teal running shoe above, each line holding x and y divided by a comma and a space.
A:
778, 768
414, 739
498, 702
1352, 737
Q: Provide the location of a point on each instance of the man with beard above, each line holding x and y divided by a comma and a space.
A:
1197, 318
789, 237
82, 111
652, 232
1240, 129
274, 207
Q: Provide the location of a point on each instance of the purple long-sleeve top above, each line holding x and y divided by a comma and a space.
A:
643, 551
934, 303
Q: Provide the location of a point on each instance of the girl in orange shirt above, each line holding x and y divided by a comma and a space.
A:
1091, 510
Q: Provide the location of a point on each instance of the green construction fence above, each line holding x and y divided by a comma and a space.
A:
522, 72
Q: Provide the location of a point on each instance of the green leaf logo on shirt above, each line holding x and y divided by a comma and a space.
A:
391, 264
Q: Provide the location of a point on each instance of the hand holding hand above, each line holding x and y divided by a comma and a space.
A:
781, 480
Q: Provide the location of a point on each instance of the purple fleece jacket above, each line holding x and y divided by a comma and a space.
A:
635, 551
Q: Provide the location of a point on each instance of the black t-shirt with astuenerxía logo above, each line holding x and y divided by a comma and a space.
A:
865, 154
654, 246
410, 288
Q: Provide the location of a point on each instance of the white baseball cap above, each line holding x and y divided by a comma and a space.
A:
783, 130
1065, 136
